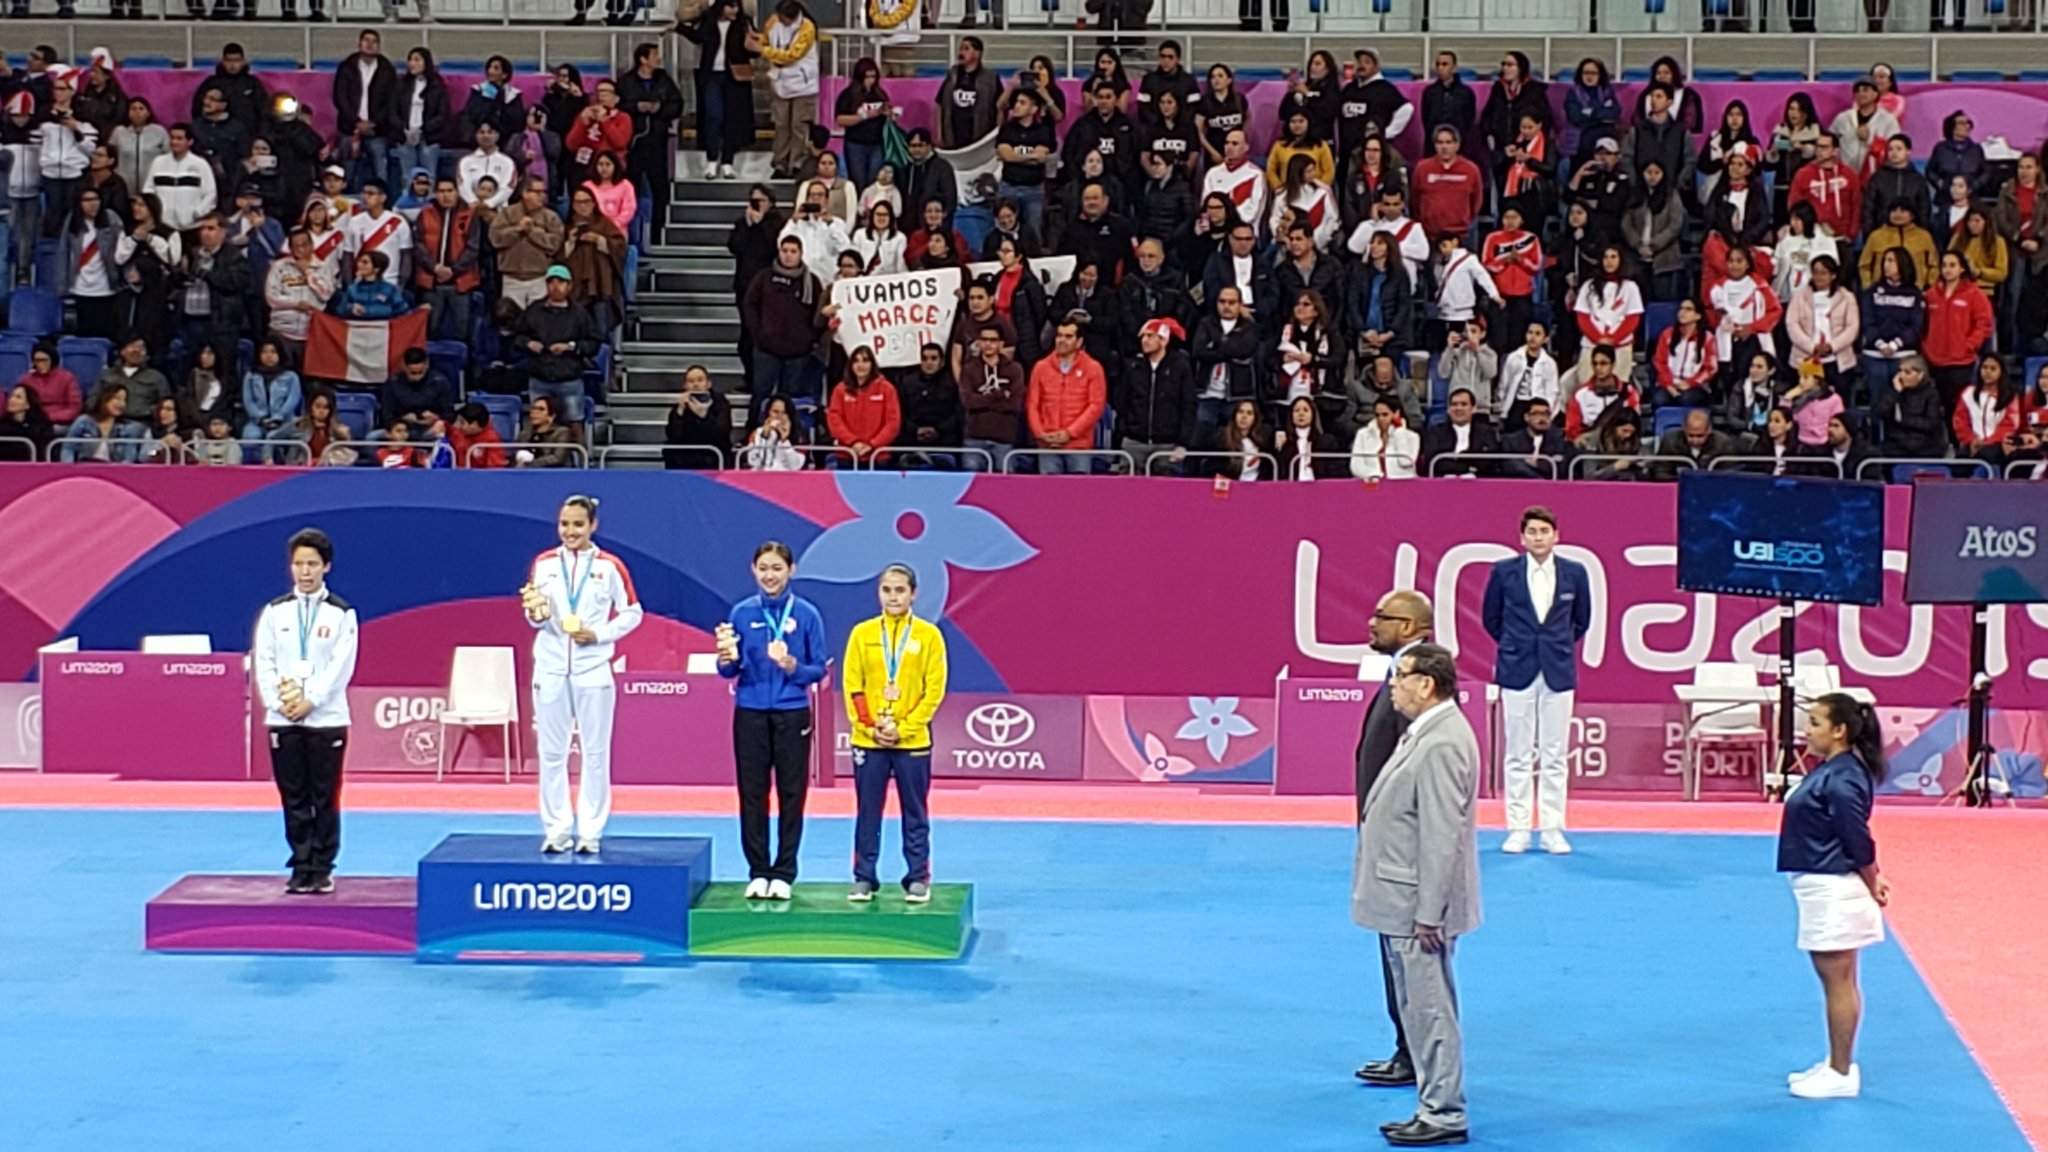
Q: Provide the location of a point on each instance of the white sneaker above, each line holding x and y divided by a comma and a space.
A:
1516, 843
588, 846
757, 888
725, 172
1806, 1073
778, 890
1828, 1084
1555, 843
556, 844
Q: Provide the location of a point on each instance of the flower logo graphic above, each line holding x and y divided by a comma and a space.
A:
916, 520
1161, 764
1214, 722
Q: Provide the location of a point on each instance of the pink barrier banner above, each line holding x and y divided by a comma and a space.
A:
150, 717
169, 90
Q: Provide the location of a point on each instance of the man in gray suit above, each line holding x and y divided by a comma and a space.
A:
1416, 882
1402, 620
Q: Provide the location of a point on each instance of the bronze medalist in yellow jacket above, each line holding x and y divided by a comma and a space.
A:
916, 650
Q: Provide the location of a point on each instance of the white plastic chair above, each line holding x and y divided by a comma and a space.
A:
483, 692
178, 644
1710, 724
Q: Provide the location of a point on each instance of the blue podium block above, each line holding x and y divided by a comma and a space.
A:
499, 899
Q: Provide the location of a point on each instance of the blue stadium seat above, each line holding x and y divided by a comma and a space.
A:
1657, 317
35, 311
49, 266
1904, 473
1717, 75
85, 356
1779, 75
2033, 370
1842, 75
1398, 75
1670, 419
2033, 76
1913, 76
451, 359
597, 381
1636, 76
1977, 76
274, 64
505, 413
632, 275
14, 365
141, 62
357, 411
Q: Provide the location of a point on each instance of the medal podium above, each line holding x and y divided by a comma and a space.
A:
497, 899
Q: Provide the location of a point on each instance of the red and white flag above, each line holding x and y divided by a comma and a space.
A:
362, 351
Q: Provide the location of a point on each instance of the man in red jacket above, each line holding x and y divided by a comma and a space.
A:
1832, 188
1067, 395
1449, 189
447, 241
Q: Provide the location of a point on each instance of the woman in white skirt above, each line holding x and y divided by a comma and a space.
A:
581, 602
1824, 842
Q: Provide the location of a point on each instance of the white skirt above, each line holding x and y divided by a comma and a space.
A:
1836, 912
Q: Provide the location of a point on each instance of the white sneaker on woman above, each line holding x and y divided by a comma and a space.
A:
778, 890
1828, 1084
725, 172
757, 888
1803, 1073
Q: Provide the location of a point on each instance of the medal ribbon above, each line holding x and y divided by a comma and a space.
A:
574, 589
309, 610
892, 650
778, 623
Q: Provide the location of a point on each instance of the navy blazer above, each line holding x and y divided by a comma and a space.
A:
1526, 646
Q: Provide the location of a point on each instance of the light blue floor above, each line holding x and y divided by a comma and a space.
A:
1134, 987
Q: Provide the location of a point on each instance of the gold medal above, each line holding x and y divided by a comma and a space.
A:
892, 693
572, 623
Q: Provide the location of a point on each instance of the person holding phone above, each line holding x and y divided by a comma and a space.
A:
305, 656
773, 645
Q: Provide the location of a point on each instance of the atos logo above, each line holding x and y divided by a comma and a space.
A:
1988, 542
1000, 724
1782, 554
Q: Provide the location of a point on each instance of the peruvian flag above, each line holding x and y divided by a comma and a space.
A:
362, 351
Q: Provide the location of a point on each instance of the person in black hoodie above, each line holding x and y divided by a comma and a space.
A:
752, 244
701, 419
297, 148
248, 100
1368, 106
1915, 424
929, 176
1447, 102
1151, 290
1088, 292
1226, 353
932, 412
1105, 130
365, 119
1155, 397
1098, 236
1516, 93
648, 92
1164, 207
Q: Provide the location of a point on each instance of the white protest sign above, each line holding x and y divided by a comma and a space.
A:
1053, 271
895, 316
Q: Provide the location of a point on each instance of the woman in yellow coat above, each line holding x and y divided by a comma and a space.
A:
895, 681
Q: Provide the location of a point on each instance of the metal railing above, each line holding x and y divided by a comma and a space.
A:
136, 449
1929, 465
660, 453
1351, 458
1435, 463
1122, 463
1794, 465
879, 459
579, 455
33, 453
2026, 469
1635, 459
1266, 460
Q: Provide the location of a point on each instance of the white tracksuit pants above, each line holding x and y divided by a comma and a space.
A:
1538, 729
562, 705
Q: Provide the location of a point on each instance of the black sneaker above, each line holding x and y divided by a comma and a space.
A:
321, 885
298, 885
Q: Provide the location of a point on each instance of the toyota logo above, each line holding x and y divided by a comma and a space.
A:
1000, 725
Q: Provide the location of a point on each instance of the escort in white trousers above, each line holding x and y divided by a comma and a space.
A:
562, 706
1538, 728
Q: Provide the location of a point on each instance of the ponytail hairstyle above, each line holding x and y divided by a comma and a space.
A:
1859, 724
589, 506
775, 548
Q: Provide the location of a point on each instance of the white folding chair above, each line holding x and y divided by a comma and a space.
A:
483, 692
178, 644
1711, 724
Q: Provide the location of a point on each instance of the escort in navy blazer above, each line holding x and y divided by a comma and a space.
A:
1526, 646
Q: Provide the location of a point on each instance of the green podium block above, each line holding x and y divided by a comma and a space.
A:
820, 923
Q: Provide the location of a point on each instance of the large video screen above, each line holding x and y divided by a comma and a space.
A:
1978, 542
1781, 538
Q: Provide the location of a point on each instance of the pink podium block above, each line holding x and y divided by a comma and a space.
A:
364, 914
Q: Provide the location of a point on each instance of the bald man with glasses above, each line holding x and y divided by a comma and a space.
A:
1400, 622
